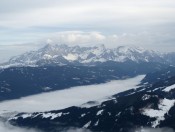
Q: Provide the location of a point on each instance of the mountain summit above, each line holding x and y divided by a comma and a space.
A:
64, 54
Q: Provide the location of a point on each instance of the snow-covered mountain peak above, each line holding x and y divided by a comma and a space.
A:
49, 48
126, 49
64, 54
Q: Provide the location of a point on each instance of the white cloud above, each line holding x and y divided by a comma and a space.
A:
148, 40
97, 12
77, 38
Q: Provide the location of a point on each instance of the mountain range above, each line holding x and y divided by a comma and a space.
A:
76, 55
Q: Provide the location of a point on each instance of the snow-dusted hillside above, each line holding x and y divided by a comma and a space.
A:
64, 54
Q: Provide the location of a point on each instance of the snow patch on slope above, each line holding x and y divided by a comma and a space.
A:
164, 106
167, 89
71, 57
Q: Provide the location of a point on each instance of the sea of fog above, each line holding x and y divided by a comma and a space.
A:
74, 96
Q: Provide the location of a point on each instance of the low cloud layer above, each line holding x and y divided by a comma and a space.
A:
5, 127
64, 98
154, 130
76, 130
69, 97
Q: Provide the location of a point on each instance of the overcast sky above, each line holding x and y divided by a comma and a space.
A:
29, 24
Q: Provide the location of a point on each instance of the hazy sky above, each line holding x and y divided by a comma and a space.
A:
26, 25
